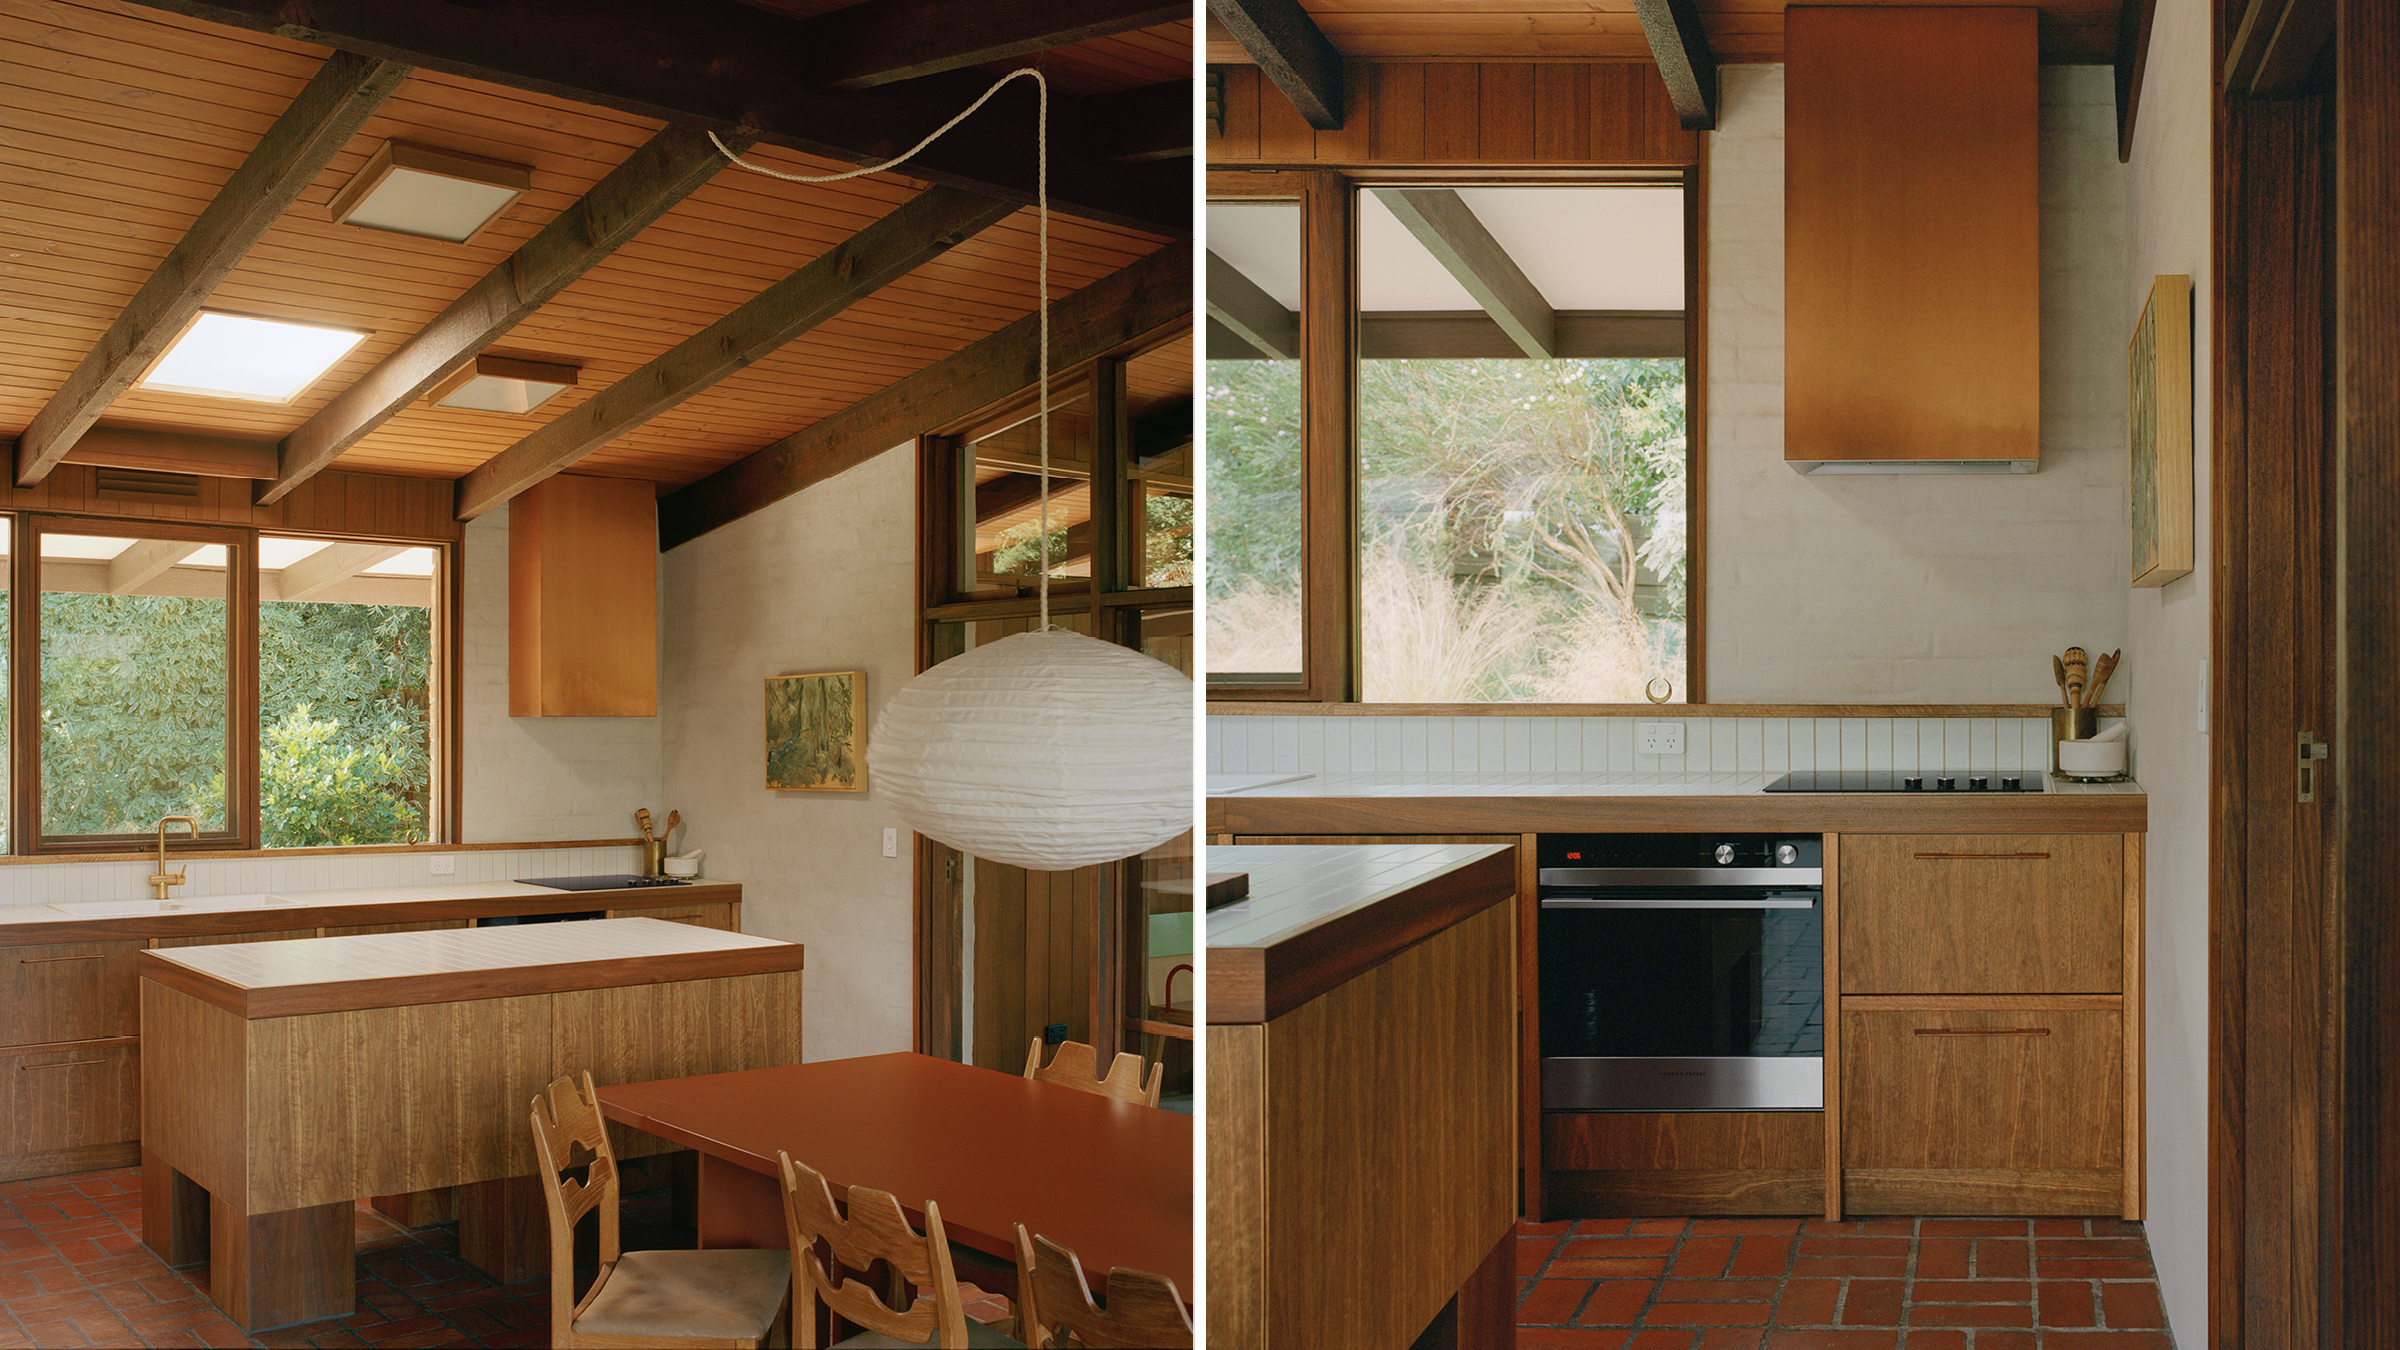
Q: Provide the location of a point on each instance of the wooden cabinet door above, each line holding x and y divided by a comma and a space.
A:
1982, 914
79, 991
58, 1098
1986, 1111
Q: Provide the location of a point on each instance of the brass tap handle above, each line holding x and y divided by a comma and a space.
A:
162, 878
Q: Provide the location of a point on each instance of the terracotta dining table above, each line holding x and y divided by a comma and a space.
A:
1111, 1179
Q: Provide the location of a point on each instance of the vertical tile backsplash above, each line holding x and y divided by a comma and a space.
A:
73, 883
1603, 745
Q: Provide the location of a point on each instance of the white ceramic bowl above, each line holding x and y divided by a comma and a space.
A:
683, 867
2091, 759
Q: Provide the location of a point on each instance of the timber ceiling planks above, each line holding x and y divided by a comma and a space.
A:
2073, 32
119, 123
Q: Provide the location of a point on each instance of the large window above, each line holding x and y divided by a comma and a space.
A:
278, 690
1498, 432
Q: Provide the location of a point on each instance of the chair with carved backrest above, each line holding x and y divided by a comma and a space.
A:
1055, 1307
1078, 1066
725, 1300
874, 1230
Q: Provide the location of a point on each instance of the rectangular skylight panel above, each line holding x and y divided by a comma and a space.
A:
263, 360
274, 554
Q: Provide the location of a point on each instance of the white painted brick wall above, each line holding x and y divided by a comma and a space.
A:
819, 581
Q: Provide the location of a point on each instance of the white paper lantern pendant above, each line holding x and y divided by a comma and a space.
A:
1046, 750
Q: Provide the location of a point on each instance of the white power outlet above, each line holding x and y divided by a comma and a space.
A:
1658, 738
443, 864
891, 842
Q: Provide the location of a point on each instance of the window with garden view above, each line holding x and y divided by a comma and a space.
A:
278, 690
1520, 443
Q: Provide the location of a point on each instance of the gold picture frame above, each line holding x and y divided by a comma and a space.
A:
2158, 433
816, 732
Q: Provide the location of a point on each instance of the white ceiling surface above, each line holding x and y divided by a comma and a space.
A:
1262, 241
1582, 248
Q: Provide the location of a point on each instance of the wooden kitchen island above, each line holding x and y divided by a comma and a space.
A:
283, 1081
1362, 1112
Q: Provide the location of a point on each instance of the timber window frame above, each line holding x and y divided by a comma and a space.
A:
242, 831
1330, 326
949, 598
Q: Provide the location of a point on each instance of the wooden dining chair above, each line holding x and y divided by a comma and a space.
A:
875, 1230
1076, 1065
1055, 1307
730, 1299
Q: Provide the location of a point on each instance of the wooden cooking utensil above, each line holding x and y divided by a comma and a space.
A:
2059, 668
2100, 673
642, 818
674, 818
2076, 664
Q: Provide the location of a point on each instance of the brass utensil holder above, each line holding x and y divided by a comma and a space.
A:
654, 857
2071, 724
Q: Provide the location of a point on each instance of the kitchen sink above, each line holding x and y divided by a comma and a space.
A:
198, 904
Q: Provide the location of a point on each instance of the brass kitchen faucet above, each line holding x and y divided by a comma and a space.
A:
162, 878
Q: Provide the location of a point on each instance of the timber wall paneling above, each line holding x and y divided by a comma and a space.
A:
1412, 113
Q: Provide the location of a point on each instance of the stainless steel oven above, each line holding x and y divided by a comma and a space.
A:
1682, 972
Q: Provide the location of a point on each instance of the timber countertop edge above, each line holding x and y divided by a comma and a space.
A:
387, 970
1318, 916
1530, 803
41, 924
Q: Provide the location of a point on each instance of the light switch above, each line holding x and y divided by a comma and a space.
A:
891, 843
443, 864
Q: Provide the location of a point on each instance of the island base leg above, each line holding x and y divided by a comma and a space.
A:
174, 1213
271, 1270
504, 1228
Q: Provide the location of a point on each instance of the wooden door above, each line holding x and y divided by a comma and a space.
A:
1033, 956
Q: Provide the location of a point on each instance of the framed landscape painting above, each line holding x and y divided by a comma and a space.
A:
816, 730
2158, 433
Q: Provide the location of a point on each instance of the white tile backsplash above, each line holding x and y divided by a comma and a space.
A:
83, 882
1509, 745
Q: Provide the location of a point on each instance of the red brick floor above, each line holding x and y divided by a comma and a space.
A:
74, 1272
1866, 1284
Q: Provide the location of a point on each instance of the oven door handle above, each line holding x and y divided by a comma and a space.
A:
1665, 902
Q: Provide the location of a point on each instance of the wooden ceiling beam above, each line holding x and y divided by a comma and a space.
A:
337, 100
1680, 46
1133, 126
2274, 49
2133, 57
1449, 230
143, 560
662, 172
173, 452
1009, 492
332, 565
723, 63
926, 226
1111, 313
1243, 308
1292, 51
877, 42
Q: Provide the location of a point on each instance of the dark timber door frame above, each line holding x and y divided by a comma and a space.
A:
2304, 1199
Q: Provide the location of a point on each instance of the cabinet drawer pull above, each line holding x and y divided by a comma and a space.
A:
1983, 1031
37, 960
61, 1064
1983, 855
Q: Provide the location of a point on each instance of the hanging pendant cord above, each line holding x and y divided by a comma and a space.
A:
1041, 300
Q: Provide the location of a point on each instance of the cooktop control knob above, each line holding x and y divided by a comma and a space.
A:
1786, 855
1978, 783
1946, 784
1913, 784
2012, 785
1724, 853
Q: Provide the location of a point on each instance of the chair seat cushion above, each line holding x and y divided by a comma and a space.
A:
730, 1295
979, 1336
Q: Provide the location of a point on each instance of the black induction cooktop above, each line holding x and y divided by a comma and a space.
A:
621, 882
1908, 780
